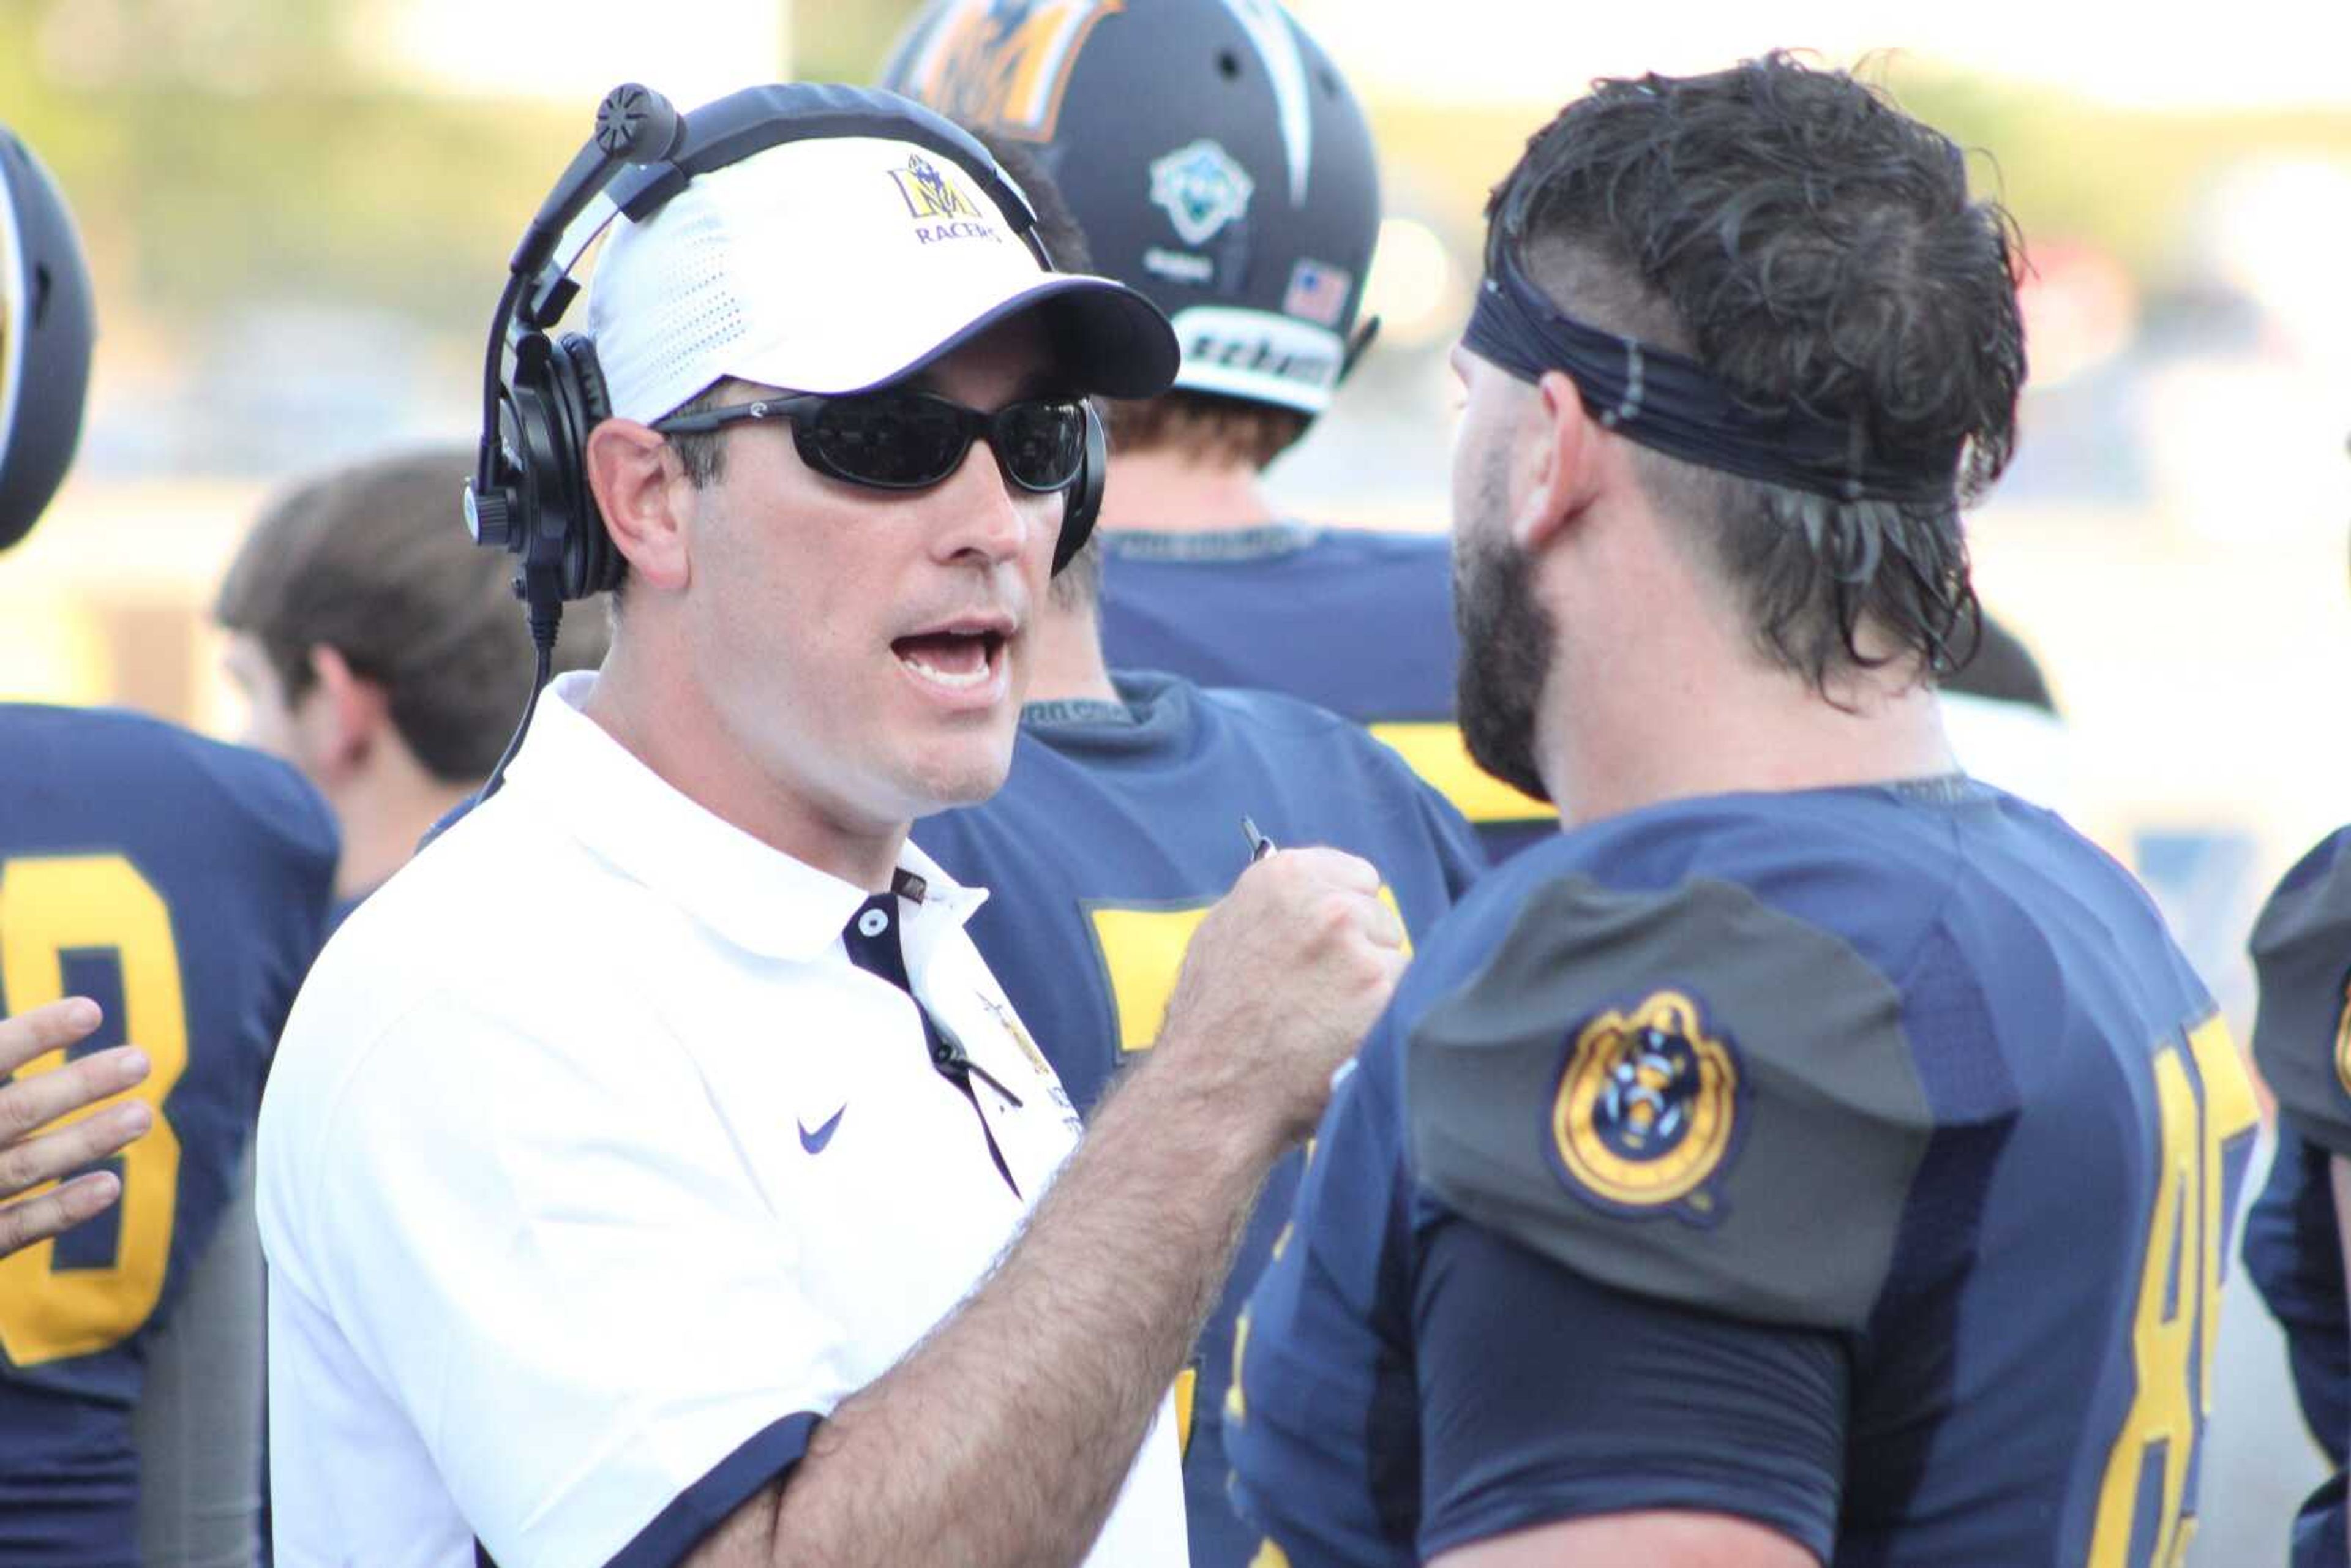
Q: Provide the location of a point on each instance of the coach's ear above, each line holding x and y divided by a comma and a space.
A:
1562, 457
647, 498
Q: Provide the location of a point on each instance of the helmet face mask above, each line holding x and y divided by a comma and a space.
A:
1210, 151
46, 332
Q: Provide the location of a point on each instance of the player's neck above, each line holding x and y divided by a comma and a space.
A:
1167, 491
1766, 734
1066, 662
383, 812
1658, 696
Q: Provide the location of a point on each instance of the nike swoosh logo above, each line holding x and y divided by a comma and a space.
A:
814, 1143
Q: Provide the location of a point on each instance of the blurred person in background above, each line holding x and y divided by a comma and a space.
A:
182, 885
1217, 161
2294, 1231
1119, 826
1693, 1203
381, 652
2295, 1246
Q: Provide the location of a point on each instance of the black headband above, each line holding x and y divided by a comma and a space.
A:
1674, 404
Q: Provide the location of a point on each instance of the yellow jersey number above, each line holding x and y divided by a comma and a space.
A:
50, 906
2178, 1316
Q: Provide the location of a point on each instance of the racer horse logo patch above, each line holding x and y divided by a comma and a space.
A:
1647, 1111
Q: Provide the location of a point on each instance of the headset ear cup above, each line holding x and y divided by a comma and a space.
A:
590, 563
1085, 496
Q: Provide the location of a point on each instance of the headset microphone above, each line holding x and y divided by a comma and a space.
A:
634, 124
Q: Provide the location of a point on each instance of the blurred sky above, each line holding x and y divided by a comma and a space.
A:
2270, 53
2265, 53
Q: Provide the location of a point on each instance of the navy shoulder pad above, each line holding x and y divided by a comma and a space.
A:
1683, 1093
2302, 956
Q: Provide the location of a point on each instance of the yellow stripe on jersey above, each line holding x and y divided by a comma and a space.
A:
1436, 752
1142, 951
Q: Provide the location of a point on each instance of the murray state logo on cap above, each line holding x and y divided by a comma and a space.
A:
941, 208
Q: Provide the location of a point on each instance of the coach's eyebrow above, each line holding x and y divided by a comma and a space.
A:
1037, 383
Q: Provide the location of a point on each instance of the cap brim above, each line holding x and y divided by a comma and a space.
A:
1105, 337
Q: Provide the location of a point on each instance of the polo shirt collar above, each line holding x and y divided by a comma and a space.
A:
753, 895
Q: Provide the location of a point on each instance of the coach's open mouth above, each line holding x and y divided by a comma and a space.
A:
960, 656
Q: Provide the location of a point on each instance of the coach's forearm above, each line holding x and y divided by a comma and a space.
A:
1004, 1435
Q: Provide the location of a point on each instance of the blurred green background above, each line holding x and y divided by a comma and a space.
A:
221, 150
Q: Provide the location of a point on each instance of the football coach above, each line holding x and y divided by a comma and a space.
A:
653, 1172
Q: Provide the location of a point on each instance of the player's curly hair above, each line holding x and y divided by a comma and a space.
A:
1812, 245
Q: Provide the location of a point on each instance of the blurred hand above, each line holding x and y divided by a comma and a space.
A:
1281, 982
33, 1150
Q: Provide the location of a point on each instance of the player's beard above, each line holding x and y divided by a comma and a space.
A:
1506, 648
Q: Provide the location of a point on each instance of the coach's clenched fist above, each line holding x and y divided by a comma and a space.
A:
1281, 983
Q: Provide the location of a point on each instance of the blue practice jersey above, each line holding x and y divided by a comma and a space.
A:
184, 884
1120, 825
1356, 622
1856, 1162
2302, 1037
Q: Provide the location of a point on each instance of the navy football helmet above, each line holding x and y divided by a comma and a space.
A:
46, 330
1211, 153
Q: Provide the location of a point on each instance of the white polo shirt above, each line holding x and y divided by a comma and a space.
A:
593, 1174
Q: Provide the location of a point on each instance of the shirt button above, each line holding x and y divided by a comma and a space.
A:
872, 923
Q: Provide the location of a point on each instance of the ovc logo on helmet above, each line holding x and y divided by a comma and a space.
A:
1201, 188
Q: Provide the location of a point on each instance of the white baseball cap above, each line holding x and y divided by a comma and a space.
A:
837, 264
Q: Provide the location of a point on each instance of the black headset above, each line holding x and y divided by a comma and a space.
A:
542, 395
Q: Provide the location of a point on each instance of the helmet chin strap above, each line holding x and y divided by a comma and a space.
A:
1367, 332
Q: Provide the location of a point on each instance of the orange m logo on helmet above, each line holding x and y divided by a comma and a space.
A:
1004, 67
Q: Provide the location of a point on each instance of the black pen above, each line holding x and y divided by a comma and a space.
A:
1259, 845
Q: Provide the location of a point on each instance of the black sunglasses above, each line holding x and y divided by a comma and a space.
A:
912, 440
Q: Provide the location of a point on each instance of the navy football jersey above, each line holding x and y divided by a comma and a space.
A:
1354, 620
184, 884
1119, 827
1857, 1162
2302, 1038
